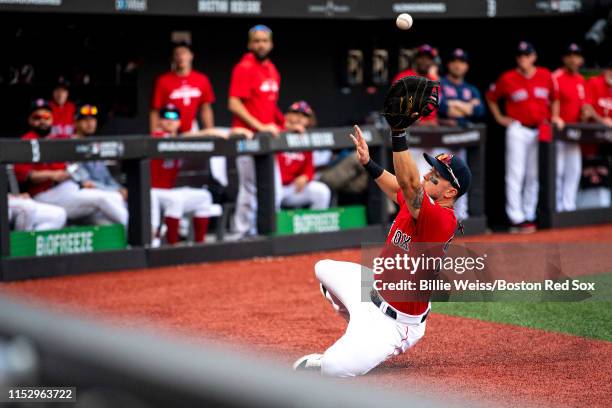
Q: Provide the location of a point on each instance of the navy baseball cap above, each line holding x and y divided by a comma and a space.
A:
428, 50
452, 168
458, 54
525, 48
170, 111
86, 110
39, 103
573, 48
301, 107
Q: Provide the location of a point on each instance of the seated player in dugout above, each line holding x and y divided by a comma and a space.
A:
297, 169
95, 173
390, 322
175, 202
51, 183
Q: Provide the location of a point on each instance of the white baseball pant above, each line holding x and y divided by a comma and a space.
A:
245, 216
461, 205
29, 215
371, 337
104, 206
569, 169
175, 202
521, 173
315, 194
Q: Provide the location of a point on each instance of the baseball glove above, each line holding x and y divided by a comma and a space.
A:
408, 100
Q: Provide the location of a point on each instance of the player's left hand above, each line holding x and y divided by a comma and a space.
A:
363, 153
300, 183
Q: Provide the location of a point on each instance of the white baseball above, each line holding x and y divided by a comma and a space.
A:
404, 21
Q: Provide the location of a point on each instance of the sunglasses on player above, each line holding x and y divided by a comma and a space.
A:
171, 115
445, 159
42, 116
88, 110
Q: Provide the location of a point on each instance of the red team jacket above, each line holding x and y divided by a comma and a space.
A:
23, 170
257, 84
599, 95
433, 116
526, 99
294, 164
63, 119
188, 93
164, 171
435, 225
571, 94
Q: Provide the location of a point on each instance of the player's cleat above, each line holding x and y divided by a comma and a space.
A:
310, 362
525, 227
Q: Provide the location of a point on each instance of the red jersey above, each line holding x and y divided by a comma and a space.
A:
599, 95
294, 164
526, 99
164, 172
257, 84
571, 94
23, 170
187, 92
63, 119
433, 116
435, 225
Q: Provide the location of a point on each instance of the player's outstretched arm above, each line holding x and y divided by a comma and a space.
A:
385, 180
407, 174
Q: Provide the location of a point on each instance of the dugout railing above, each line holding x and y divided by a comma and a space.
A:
136, 151
549, 217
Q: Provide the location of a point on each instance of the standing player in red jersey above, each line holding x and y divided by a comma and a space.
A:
175, 202
599, 97
567, 107
253, 100
63, 110
185, 88
527, 91
389, 324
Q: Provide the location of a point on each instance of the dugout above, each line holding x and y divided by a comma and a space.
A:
135, 153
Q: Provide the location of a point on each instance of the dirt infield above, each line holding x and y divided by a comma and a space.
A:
273, 306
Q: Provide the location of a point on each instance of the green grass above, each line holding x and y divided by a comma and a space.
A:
588, 318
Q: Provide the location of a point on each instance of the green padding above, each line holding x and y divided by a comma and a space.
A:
72, 240
333, 219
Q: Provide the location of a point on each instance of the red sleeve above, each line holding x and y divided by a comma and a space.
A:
240, 85
22, 170
308, 169
555, 86
590, 92
497, 90
157, 100
208, 95
279, 118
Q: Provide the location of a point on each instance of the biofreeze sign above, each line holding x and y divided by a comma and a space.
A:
65, 243
68, 241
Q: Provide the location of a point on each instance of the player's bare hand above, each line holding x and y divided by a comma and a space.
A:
505, 121
88, 184
270, 128
300, 183
558, 122
363, 153
60, 175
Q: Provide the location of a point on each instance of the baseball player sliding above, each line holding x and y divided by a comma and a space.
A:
383, 326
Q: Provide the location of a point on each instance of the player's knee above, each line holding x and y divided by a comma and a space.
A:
321, 267
61, 216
